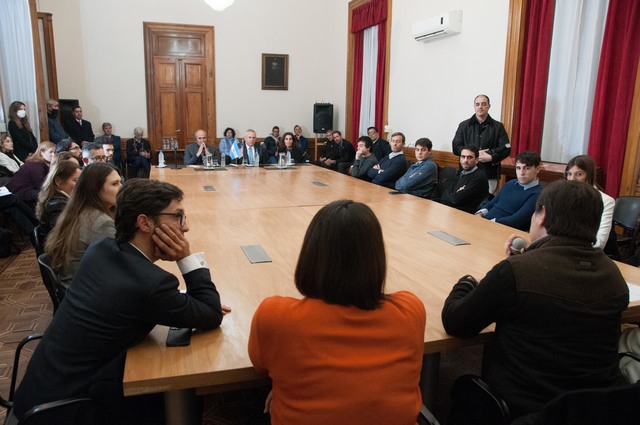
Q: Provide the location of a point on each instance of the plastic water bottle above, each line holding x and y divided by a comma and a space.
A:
223, 159
161, 159
289, 158
256, 157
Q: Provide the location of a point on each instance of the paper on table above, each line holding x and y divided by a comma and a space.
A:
634, 292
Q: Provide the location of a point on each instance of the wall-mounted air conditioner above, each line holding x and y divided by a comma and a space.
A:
438, 26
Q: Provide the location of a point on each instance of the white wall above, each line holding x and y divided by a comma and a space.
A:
100, 58
432, 84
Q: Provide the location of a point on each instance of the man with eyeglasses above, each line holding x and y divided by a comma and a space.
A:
93, 152
381, 147
116, 297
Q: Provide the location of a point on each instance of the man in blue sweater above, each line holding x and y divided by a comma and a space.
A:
421, 178
516, 201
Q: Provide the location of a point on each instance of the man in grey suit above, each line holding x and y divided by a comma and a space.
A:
194, 151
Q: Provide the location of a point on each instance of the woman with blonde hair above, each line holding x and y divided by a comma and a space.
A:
55, 193
27, 181
20, 129
582, 168
87, 217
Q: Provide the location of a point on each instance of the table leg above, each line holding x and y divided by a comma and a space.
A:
429, 378
182, 408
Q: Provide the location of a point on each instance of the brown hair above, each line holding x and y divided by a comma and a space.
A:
572, 209
282, 147
342, 259
63, 239
13, 115
59, 172
586, 164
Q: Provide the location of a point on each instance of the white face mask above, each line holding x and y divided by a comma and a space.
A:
21, 113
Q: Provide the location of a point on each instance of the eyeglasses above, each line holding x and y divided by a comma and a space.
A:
371, 132
182, 217
99, 158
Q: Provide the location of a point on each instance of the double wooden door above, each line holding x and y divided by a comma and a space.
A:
179, 61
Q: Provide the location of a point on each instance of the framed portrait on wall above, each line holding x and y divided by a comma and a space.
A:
275, 71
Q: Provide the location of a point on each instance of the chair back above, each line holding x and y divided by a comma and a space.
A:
626, 213
71, 411
447, 173
51, 282
473, 403
37, 241
602, 406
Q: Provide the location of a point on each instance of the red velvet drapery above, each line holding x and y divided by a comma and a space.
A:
363, 17
529, 114
614, 90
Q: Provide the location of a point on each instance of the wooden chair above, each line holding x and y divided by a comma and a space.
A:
626, 215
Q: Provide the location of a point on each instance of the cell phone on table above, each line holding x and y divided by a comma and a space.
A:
178, 337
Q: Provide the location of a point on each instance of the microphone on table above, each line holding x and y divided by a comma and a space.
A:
517, 244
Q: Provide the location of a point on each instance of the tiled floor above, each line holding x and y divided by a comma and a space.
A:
25, 308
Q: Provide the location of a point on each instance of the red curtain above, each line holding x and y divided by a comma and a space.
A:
363, 17
529, 114
614, 90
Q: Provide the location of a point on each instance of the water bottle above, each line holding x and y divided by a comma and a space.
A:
161, 159
223, 159
256, 158
289, 158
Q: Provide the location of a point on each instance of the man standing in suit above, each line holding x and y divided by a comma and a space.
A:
392, 166
194, 151
139, 154
251, 149
78, 129
108, 138
381, 147
488, 135
117, 296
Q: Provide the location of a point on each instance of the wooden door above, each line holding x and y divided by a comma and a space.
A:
180, 82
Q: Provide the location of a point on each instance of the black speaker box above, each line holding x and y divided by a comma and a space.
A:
322, 117
66, 108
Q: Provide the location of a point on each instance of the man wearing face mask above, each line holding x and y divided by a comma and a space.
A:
56, 132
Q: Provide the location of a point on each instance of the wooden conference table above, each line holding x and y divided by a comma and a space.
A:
272, 208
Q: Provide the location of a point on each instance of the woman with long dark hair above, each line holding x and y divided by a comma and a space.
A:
87, 217
24, 141
289, 143
582, 168
328, 353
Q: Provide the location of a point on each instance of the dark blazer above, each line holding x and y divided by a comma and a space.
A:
381, 148
344, 152
24, 142
262, 152
116, 298
391, 171
79, 133
296, 154
132, 152
191, 157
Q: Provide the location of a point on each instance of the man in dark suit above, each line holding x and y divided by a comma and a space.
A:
381, 147
342, 154
139, 154
78, 129
250, 149
117, 296
194, 152
392, 166
108, 138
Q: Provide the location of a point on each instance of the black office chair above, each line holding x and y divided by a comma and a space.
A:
602, 406
50, 280
473, 403
37, 241
426, 417
626, 214
77, 410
